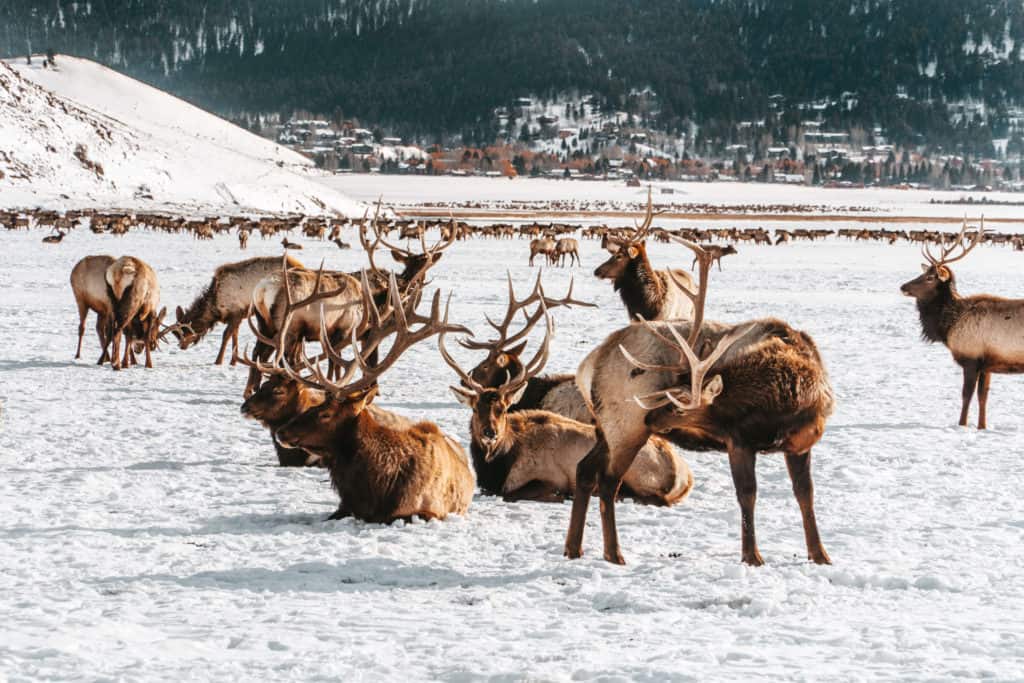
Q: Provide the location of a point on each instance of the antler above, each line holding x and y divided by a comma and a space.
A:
959, 243
401, 316
527, 372
370, 248
698, 370
704, 259
514, 306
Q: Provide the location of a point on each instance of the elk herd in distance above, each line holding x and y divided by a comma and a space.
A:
667, 379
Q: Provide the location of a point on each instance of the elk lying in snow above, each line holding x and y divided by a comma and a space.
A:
136, 297
544, 246
768, 392
226, 300
290, 245
984, 333
647, 293
55, 238
381, 472
554, 393
533, 454
568, 247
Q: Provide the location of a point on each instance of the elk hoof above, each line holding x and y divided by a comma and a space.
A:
820, 557
754, 559
614, 558
573, 553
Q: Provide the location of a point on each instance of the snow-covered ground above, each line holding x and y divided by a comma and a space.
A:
498, 193
156, 152
146, 533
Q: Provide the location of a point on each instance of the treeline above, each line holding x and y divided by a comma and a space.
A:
428, 67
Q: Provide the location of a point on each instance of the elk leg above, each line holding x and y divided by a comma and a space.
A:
586, 483
150, 333
115, 349
234, 342
799, 467
970, 382
984, 381
616, 466
223, 345
743, 462
103, 334
81, 329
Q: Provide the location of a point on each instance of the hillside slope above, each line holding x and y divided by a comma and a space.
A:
84, 135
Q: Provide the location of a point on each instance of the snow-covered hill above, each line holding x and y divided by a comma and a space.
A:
84, 135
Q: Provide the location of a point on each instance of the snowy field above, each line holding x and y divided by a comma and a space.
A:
147, 534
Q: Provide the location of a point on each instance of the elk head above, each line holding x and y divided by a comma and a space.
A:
936, 277
490, 404
183, 331
626, 250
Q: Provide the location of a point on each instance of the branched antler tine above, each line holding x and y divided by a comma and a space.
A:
646, 366
474, 386
960, 242
660, 402
641, 230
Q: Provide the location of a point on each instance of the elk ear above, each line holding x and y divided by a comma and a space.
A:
516, 397
161, 315
925, 267
633, 251
514, 352
397, 255
502, 360
943, 273
362, 399
462, 396
712, 390
179, 314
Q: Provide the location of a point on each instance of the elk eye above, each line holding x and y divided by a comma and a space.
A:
279, 391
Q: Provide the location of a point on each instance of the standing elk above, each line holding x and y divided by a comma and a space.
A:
226, 300
381, 472
533, 454
89, 285
415, 264
985, 334
543, 246
243, 238
769, 392
568, 247
646, 292
273, 305
136, 296
716, 252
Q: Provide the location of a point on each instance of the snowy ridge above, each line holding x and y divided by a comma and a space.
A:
84, 135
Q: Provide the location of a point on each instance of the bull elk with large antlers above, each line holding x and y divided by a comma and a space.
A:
745, 389
647, 293
985, 334
533, 454
414, 264
381, 472
226, 300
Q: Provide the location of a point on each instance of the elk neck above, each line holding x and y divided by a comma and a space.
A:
939, 313
640, 288
201, 314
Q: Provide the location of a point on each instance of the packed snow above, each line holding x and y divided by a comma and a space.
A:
81, 135
147, 532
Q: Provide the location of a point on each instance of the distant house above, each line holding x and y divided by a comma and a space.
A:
391, 142
547, 119
361, 149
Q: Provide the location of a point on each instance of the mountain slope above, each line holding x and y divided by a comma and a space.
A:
90, 133
428, 65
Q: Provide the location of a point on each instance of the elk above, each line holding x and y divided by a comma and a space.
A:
717, 252
226, 300
136, 296
754, 387
243, 239
289, 245
89, 285
544, 246
381, 472
567, 246
55, 238
648, 293
415, 265
533, 454
984, 333
554, 393
273, 303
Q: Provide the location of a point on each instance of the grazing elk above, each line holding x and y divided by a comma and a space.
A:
554, 393
646, 292
533, 454
768, 391
568, 247
226, 300
136, 297
273, 304
89, 285
543, 246
985, 334
381, 472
